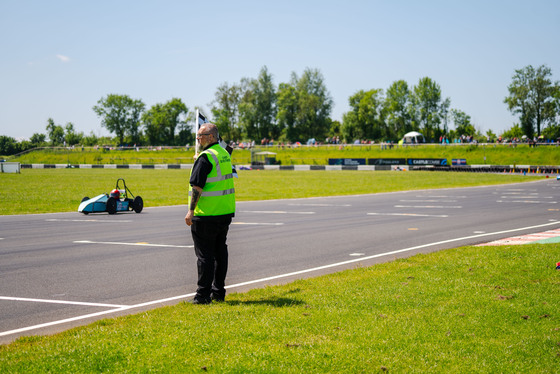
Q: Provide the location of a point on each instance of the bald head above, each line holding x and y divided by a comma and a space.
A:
210, 128
207, 134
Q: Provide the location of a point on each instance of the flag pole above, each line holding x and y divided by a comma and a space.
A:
196, 128
200, 120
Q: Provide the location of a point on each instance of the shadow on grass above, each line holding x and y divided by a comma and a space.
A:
278, 302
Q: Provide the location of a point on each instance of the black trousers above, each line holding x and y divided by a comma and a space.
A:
211, 250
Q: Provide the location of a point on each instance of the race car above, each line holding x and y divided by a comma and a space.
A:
119, 200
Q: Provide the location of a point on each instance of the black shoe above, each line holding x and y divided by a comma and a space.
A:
201, 300
217, 298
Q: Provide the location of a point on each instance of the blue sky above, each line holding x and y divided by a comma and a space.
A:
60, 57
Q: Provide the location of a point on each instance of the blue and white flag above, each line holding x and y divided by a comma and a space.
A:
200, 120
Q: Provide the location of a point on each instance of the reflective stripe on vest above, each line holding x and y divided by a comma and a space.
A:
219, 177
218, 193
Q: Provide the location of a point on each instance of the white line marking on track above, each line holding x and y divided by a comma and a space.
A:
526, 201
92, 315
430, 206
428, 201
310, 270
519, 193
88, 220
320, 204
258, 224
274, 212
518, 189
442, 196
134, 244
60, 302
526, 197
409, 215
388, 254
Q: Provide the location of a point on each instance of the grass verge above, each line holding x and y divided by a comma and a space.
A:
469, 309
61, 190
492, 154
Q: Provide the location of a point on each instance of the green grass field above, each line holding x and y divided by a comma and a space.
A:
492, 154
61, 190
469, 309
464, 310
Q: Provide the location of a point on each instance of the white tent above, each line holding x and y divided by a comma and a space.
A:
263, 158
413, 137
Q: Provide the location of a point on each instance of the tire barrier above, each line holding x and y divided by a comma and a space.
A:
517, 169
513, 169
106, 166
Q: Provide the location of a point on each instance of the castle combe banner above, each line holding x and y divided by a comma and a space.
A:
427, 161
388, 161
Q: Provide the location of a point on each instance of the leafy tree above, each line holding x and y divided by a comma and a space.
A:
91, 139
71, 137
154, 124
120, 115
552, 132
225, 110
462, 121
304, 106
490, 136
8, 145
257, 109
38, 140
55, 132
366, 116
186, 133
162, 120
516, 131
176, 112
350, 130
533, 96
287, 110
557, 103
315, 105
397, 105
444, 115
335, 129
426, 101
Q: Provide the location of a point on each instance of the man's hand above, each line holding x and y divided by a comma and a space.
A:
188, 217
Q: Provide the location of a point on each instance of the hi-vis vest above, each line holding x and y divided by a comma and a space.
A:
218, 195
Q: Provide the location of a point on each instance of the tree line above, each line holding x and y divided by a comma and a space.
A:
300, 109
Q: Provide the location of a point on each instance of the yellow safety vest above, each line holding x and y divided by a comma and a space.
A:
218, 194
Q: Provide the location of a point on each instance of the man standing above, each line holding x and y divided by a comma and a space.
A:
211, 208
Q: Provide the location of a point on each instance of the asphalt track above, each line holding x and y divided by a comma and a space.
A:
67, 269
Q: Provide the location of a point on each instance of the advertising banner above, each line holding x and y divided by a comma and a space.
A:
427, 161
386, 161
458, 161
347, 161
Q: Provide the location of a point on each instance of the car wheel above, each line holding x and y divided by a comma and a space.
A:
112, 205
138, 204
84, 199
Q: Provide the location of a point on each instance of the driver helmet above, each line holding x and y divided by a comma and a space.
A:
115, 193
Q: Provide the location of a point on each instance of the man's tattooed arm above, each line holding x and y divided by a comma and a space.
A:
195, 197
